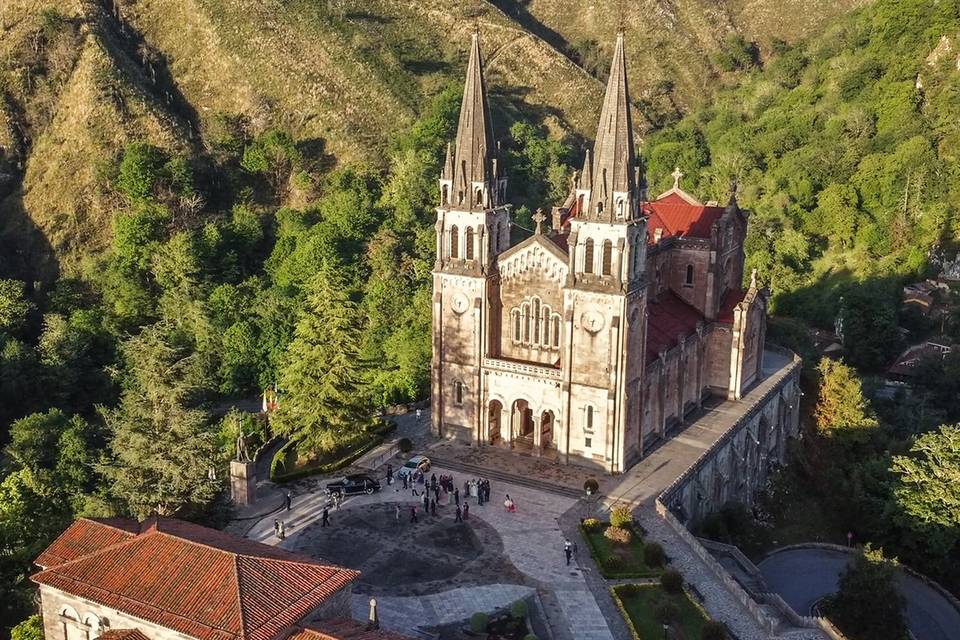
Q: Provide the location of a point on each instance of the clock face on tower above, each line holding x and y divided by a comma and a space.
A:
459, 303
592, 321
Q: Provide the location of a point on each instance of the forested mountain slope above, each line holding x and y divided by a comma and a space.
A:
81, 78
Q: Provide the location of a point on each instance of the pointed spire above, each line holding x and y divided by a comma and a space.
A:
448, 165
586, 176
475, 148
614, 158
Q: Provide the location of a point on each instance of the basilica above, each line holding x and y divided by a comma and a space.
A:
592, 341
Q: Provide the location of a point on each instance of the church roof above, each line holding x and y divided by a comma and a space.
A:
193, 580
676, 215
343, 629
614, 158
475, 145
670, 320
123, 634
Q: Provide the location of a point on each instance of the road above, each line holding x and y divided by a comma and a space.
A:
803, 576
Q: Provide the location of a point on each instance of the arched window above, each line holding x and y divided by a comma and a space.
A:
588, 422
460, 197
588, 256
458, 392
556, 332
454, 243
545, 329
516, 325
689, 279
599, 207
526, 323
620, 208
536, 321
607, 257
469, 252
479, 196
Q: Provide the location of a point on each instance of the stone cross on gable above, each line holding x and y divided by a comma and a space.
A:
677, 174
539, 217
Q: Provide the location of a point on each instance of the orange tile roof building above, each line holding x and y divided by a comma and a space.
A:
168, 579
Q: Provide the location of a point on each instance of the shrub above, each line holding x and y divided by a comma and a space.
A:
671, 581
653, 555
618, 535
621, 517
405, 445
612, 562
478, 622
518, 609
666, 612
29, 629
592, 524
713, 630
591, 486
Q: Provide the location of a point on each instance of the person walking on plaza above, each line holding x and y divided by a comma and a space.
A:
404, 482
466, 510
459, 517
426, 503
456, 496
433, 481
568, 550
276, 528
413, 514
283, 531
289, 500
325, 520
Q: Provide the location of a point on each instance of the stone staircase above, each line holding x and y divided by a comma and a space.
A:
477, 471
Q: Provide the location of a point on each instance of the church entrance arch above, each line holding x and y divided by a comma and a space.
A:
522, 421
493, 421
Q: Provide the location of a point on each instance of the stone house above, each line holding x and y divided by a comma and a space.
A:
166, 579
589, 342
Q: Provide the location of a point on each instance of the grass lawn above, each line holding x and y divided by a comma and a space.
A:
640, 605
629, 563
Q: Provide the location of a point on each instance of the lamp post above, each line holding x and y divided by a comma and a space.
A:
666, 628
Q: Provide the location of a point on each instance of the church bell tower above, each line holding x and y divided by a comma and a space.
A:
473, 227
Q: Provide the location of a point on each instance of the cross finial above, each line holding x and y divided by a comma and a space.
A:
539, 217
620, 16
677, 174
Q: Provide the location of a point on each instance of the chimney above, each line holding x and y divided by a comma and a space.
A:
374, 620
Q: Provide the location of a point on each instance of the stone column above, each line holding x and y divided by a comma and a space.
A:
537, 434
243, 482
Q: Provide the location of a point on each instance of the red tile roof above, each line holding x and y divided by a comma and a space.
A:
196, 581
123, 634
678, 217
84, 537
344, 629
732, 298
670, 320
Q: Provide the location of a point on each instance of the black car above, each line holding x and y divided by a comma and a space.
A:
359, 483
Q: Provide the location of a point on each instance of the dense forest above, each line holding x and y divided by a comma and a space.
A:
234, 262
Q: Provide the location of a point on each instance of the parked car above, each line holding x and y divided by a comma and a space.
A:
350, 485
414, 464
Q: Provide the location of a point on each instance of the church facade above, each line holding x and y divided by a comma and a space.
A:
590, 342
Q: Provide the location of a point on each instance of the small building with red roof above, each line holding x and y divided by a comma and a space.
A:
168, 579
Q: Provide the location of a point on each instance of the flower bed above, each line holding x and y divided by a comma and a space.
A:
617, 559
644, 608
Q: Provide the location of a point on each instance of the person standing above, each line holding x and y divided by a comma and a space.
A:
459, 516
398, 514
276, 528
413, 514
568, 551
283, 530
426, 502
456, 496
404, 476
466, 510
389, 474
433, 507
289, 500
325, 521
433, 481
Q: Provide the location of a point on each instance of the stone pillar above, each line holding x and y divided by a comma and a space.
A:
243, 482
537, 434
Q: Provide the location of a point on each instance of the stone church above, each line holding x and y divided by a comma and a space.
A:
590, 342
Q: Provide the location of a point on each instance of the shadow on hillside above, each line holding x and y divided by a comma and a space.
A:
26, 252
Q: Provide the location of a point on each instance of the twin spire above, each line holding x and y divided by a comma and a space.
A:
611, 173
473, 159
